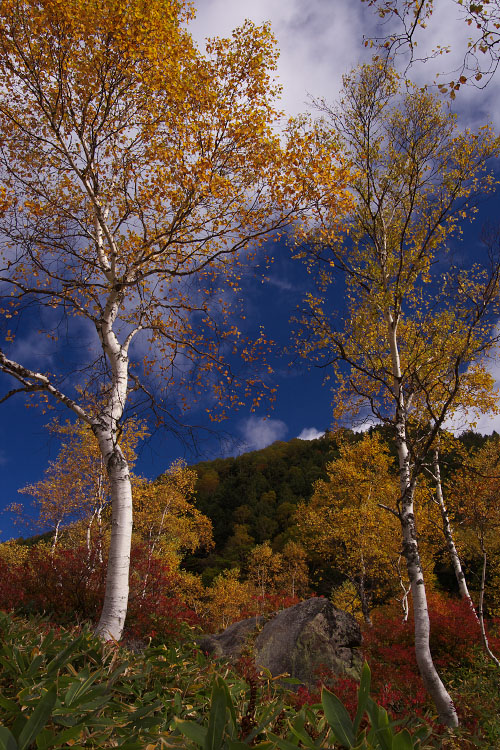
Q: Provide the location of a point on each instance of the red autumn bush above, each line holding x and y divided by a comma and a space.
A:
388, 646
69, 585
389, 649
156, 609
11, 586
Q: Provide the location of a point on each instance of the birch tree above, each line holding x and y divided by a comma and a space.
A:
135, 173
449, 534
166, 517
408, 329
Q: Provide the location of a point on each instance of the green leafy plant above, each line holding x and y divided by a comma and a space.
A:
338, 727
221, 730
56, 688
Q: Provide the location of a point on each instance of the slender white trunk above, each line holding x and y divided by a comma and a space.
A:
430, 677
406, 591
484, 635
448, 535
56, 537
89, 535
153, 540
99, 533
105, 428
114, 610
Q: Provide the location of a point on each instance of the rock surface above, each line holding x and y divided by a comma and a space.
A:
298, 640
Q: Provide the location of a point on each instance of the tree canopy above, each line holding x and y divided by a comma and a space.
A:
135, 172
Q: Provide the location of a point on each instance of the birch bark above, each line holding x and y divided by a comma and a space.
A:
114, 610
428, 672
448, 534
484, 634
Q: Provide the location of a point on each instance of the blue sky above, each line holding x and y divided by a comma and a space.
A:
319, 41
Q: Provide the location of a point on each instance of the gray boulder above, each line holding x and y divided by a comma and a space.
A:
298, 640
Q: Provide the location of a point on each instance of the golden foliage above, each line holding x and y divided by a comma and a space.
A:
473, 500
137, 161
226, 598
76, 485
264, 567
415, 177
165, 515
13, 553
344, 523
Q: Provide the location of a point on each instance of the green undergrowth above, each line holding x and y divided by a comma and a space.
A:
66, 689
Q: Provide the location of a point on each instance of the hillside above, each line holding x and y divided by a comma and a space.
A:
252, 497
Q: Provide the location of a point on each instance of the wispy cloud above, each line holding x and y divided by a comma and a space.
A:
282, 284
258, 433
310, 433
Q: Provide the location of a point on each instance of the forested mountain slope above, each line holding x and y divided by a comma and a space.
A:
252, 497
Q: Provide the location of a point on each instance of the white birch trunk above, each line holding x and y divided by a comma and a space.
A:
114, 610
430, 677
56, 537
406, 591
484, 635
89, 535
365, 606
448, 535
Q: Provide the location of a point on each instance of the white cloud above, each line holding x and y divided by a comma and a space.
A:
310, 433
318, 40
485, 423
34, 350
259, 433
282, 284
321, 40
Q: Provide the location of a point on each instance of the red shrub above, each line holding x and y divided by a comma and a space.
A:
389, 649
69, 586
155, 609
388, 646
11, 586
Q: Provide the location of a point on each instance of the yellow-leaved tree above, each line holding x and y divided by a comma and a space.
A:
264, 567
165, 516
412, 332
345, 522
76, 485
135, 172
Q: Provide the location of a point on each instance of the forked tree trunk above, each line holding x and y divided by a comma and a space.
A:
430, 677
448, 535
